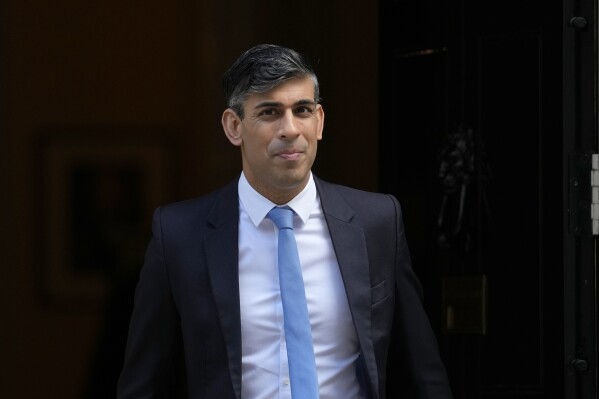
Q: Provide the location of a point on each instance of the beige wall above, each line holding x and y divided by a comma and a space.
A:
146, 67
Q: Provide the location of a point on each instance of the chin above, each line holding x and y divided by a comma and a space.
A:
292, 180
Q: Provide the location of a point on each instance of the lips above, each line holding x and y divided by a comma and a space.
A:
289, 155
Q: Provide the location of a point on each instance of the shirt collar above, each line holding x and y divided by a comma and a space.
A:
257, 206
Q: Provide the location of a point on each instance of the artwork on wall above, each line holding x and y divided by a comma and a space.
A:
97, 197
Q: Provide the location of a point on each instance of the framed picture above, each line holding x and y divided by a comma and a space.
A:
97, 197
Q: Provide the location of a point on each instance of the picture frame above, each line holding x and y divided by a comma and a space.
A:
97, 195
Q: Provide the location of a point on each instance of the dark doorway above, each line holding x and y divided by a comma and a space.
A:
487, 120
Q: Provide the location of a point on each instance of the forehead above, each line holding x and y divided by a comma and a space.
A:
288, 92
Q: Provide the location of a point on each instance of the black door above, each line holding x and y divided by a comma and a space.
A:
487, 124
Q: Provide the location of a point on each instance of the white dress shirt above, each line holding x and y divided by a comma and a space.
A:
265, 373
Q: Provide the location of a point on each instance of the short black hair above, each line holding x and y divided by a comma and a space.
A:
261, 69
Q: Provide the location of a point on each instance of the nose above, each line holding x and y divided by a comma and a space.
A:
288, 128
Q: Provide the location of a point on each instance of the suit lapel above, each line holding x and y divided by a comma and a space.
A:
222, 259
350, 248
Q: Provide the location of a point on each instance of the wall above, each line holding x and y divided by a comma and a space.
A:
121, 71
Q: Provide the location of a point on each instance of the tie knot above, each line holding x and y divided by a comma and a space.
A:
282, 217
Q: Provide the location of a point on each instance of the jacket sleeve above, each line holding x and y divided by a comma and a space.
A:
154, 354
414, 357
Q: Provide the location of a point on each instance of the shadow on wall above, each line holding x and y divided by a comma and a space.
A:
98, 194
108, 232
107, 361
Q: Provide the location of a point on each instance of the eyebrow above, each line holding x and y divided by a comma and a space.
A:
265, 104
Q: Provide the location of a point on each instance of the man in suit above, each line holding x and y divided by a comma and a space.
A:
208, 319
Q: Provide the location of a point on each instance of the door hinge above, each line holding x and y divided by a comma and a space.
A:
582, 214
595, 193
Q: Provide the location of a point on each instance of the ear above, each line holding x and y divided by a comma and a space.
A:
232, 126
320, 117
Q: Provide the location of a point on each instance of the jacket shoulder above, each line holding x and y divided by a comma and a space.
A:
359, 200
212, 207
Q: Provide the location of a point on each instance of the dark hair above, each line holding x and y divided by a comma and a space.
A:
261, 69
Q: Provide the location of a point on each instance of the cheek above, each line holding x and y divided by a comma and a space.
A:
315, 133
257, 152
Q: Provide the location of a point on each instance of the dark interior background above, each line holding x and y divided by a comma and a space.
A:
109, 109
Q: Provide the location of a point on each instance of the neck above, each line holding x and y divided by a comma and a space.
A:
278, 195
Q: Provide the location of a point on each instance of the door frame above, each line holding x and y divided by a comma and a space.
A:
580, 87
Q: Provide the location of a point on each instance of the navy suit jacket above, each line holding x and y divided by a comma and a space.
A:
185, 334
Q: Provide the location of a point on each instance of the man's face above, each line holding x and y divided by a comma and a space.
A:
278, 138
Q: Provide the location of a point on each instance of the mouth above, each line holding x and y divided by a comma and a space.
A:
290, 155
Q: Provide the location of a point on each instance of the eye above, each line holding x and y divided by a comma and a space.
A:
268, 112
304, 111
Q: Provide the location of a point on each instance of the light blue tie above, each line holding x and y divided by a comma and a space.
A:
298, 334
